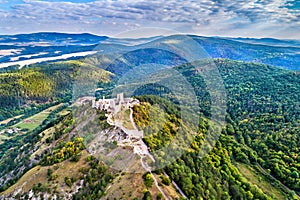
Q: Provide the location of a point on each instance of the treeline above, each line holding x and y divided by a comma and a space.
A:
264, 111
93, 179
212, 177
25, 112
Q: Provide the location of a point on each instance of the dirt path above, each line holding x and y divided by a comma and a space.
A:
266, 173
177, 187
148, 169
10, 119
143, 154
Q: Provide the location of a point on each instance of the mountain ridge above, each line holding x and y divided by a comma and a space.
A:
284, 55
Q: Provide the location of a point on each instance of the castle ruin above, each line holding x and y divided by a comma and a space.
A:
114, 105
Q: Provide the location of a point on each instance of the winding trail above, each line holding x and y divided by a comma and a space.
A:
143, 155
176, 186
266, 173
141, 150
152, 158
148, 169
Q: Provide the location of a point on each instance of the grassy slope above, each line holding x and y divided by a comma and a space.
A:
121, 187
38, 174
257, 178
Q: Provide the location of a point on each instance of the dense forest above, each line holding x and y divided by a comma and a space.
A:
262, 130
33, 86
23, 90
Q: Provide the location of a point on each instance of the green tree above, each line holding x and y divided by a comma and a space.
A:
148, 180
147, 195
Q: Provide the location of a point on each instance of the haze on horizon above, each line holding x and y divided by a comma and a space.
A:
240, 18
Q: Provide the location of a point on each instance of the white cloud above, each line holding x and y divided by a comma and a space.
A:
203, 16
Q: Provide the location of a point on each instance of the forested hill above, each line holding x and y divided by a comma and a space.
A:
52, 38
262, 132
22, 89
260, 138
263, 118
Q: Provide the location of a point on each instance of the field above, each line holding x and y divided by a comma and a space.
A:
34, 121
258, 179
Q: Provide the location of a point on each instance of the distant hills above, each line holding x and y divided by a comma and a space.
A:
53, 38
280, 53
269, 41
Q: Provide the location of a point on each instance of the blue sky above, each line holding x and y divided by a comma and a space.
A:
233, 18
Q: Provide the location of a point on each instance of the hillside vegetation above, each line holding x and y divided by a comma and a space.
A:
262, 130
45, 83
255, 157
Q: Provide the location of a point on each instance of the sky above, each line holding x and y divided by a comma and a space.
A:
229, 18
